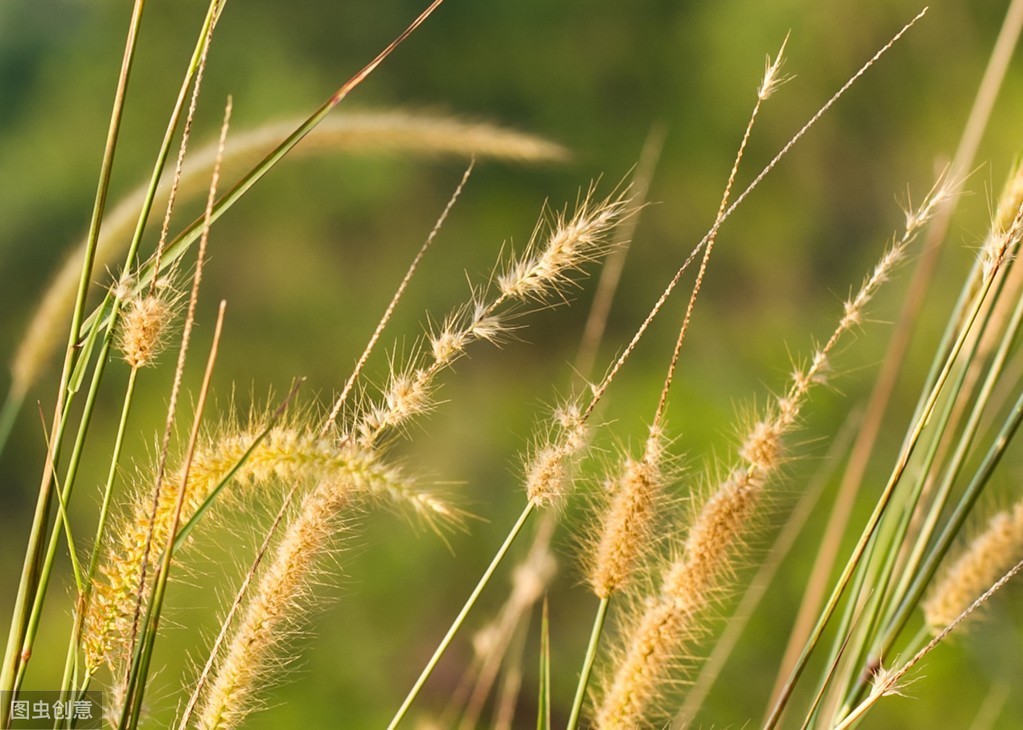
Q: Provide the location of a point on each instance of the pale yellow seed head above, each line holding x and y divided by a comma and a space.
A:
762, 448
626, 526
978, 567
143, 330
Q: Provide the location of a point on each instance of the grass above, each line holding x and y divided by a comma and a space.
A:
389, 482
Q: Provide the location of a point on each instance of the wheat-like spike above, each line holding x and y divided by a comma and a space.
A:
539, 274
548, 469
981, 563
145, 323
704, 566
286, 455
634, 502
274, 610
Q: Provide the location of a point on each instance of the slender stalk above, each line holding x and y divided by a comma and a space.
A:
64, 496
954, 524
457, 623
591, 654
108, 490
879, 510
889, 683
163, 572
176, 248
13, 657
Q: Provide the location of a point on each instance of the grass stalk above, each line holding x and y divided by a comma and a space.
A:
460, 618
14, 657
885, 498
591, 655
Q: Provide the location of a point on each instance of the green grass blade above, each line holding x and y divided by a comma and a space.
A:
543, 713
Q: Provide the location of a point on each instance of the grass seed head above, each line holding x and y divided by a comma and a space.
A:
981, 563
143, 330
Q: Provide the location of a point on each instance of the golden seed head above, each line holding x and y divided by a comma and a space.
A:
546, 476
143, 331
763, 445
978, 567
626, 525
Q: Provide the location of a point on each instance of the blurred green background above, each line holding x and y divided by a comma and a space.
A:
309, 260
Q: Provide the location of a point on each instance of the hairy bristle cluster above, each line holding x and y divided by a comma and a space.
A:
1006, 227
275, 609
541, 273
669, 620
651, 652
544, 267
981, 564
773, 77
628, 520
705, 564
143, 329
286, 455
549, 468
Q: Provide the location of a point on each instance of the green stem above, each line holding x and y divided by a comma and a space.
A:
64, 496
457, 624
26, 588
955, 523
591, 654
104, 511
879, 510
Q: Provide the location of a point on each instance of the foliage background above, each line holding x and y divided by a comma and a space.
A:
308, 261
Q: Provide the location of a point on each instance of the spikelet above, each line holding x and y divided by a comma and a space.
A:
628, 520
548, 470
544, 268
984, 561
668, 620
286, 455
539, 274
275, 610
145, 322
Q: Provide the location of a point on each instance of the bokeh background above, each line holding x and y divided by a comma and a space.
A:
309, 260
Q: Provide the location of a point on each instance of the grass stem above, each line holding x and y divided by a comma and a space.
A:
457, 623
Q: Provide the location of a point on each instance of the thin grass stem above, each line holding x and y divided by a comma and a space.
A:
880, 508
457, 623
13, 657
591, 655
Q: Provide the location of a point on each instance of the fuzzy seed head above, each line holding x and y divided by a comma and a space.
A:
885, 682
996, 249
546, 475
287, 455
544, 267
653, 647
143, 331
715, 537
489, 328
773, 77
626, 525
987, 558
448, 345
548, 470
762, 448
274, 611
407, 395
